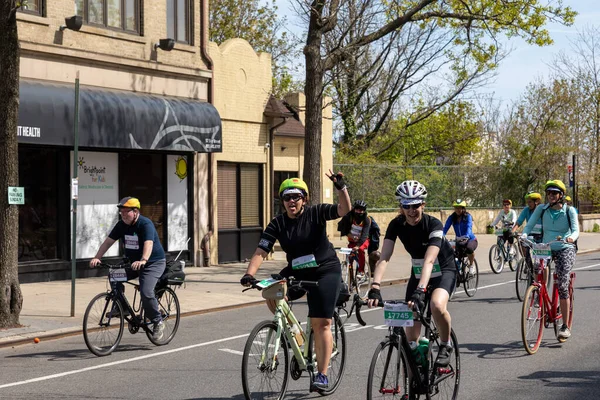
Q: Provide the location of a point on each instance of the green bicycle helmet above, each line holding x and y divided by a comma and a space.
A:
459, 203
290, 184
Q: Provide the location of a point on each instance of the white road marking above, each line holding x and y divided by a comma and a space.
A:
78, 371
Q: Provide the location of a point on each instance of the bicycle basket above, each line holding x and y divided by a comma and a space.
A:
275, 290
541, 251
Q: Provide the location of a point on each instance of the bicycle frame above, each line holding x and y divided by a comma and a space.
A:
133, 318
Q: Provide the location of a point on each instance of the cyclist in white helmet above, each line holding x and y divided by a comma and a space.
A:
432, 261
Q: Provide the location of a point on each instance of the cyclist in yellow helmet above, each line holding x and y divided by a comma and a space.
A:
532, 199
558, 219
301, 232
462, 222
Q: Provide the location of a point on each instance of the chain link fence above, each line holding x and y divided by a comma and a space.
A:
481, 187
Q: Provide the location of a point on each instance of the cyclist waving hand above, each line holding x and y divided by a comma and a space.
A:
301, 232
432, 261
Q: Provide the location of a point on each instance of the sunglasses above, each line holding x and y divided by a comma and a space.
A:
411, 206
292, 197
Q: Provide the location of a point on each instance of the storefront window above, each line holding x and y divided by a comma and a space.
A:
142, 177
37, 217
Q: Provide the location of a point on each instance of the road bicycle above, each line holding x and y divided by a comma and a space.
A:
539, 311
266, 364
358, 283
504, 252
394, 372
106, 314
525, 274
470, 281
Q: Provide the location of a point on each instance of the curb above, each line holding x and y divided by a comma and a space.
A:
75, 331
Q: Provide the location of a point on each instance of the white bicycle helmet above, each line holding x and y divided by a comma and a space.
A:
411, 192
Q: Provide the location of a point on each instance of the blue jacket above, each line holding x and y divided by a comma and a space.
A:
462, 228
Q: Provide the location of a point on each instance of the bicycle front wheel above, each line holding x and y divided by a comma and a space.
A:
337, 362
103, 324
345, 272
533, 317
496, 259
513, 256
471, 280
168, 305
388, 374
363, 282
523, 279
445, 381
265, 363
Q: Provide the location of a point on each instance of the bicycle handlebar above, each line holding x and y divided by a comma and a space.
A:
358, 303
290, 281
126, 265
530, 243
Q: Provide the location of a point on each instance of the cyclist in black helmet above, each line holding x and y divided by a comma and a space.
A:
356, 226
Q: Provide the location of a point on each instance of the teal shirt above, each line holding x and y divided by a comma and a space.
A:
554, 223
526, 216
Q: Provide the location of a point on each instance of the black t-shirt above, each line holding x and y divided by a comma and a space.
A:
416, 239
134, 237
304, 235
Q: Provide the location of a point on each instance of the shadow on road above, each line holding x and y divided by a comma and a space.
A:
487, 300
79, 353
290, 394
566, 379
494, 350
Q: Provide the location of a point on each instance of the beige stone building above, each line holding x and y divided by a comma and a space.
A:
147, 127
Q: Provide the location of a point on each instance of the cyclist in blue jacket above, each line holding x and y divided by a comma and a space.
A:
462, 222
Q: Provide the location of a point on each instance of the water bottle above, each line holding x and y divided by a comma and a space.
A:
423, 350
297, 334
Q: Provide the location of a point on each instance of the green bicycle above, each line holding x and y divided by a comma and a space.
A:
266, 361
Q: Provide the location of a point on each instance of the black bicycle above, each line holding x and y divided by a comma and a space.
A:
395, 373
105, 316
464, 276
504, 251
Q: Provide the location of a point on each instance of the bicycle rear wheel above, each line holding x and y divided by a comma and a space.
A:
265, 372
496, 259
533, 316
103, 324
388, 373
513, 256
168, 305
471, 281
337, 362
345, 272
524, 279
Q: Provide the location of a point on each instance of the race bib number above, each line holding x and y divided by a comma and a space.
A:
307, 261
356, 230
118, 275
541, 251
397, 314
418, 267
132, 242
267, 282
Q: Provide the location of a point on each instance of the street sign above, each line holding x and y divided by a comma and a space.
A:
16, 195
570, 171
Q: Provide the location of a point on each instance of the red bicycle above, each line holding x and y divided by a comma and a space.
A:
539, 311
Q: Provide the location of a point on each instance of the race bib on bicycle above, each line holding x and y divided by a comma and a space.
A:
131, 242
307, 261
417, 266
118, 275
541, 251
397, 314
267, 282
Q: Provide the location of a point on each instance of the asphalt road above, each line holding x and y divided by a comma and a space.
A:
204, 360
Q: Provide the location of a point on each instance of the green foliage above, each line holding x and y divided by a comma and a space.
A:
596, 228
258, 23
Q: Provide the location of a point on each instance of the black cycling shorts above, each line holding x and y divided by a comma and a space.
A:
447, 282
321, 299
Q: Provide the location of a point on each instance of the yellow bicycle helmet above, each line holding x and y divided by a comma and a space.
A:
293, 183
459, 203
568, 198
555, 185
533, 196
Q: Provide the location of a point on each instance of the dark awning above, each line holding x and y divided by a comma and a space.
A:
116, 119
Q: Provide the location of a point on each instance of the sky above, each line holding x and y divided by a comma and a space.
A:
526, 62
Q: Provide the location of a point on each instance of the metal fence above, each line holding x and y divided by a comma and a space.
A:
481, 187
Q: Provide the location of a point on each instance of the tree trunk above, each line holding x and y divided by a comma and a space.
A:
11, 298
314, 107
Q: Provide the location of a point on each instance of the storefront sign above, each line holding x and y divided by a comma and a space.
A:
16, 195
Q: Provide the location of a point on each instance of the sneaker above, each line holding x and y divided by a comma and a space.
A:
564, 332
443, 357
471, 271
320, 382
158, 330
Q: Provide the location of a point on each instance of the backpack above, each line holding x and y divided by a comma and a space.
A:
568, 219
374, 235
173, 275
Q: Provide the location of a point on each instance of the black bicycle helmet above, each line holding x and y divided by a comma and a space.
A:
360, 204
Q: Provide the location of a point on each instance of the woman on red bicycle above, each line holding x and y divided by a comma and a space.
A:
558, 220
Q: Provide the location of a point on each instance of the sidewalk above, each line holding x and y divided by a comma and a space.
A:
47, 305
